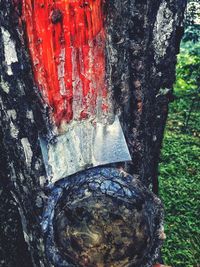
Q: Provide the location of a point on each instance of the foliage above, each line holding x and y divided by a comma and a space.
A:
192, 21
185, 110
192, 12
192, 33
180, 164
180, 191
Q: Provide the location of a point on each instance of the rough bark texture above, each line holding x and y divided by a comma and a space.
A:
143, 41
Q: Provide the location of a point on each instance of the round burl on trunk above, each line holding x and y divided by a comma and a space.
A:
102, 217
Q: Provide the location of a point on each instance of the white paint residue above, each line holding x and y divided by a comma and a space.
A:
29, 115
9, 50
13, 130
21, 177
163, 29
42, 180
61, 72
26, 237
4, 85
42, 264
21, 87
37, 165
12, 113
77, 87
27, 150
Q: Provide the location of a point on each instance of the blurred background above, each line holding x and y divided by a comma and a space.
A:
180, 160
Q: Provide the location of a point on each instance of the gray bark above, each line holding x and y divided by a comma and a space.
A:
144, 40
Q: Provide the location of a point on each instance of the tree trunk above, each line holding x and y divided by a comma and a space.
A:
143, 39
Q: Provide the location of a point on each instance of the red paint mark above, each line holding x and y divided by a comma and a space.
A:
66, 41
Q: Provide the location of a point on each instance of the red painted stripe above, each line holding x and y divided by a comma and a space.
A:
66, 40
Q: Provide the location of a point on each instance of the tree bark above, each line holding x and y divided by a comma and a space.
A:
142, 44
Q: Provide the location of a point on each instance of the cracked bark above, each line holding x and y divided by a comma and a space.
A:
143, 40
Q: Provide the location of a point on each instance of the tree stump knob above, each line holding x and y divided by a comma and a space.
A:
102, 217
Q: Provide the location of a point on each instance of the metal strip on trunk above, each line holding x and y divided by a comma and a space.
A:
84, 145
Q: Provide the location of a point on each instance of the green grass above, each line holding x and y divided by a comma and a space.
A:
180, 181
180, 192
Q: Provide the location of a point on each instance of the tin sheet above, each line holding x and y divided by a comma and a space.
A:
83, 146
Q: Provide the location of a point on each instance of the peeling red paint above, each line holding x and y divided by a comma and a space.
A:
66, 41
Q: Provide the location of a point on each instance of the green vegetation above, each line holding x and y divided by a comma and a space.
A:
180, 163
